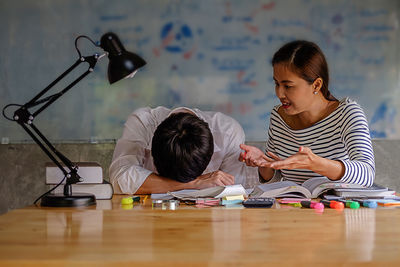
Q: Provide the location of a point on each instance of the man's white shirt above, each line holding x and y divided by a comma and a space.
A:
132, 161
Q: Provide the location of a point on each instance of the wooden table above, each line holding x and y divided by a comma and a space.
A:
108, 234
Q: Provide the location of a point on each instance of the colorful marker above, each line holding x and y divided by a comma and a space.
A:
136, 198
350, 204
366, 203
294, 204
332, 204
312, 205
126, 201
370, 204
129, 200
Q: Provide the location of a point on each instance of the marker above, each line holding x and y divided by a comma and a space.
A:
130, 200
294, 204
292, 200
372, 204
333, 204
244, 156
350, 204
126, 201
312, 205
317, 205
136, 198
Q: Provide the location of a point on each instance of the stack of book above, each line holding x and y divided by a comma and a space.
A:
374, 191
93, 180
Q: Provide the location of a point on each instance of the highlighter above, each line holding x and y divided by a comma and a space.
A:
372, 204
129, 200
312, 205
317, 205
337, 205
350, 204
333, 204
295, 204
126, 201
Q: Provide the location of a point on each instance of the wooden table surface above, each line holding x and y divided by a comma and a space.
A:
108, 234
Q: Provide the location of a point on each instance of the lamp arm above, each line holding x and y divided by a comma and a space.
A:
32, 102
92, 60
24, 118
65, 160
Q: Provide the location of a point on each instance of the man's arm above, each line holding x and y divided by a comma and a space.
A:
157, 184
132, 151
233, 137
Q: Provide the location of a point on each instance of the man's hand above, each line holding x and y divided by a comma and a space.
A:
212, 179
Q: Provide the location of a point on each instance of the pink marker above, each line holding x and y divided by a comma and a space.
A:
312, 205
317, 205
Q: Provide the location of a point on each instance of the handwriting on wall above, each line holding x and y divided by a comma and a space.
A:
214, 55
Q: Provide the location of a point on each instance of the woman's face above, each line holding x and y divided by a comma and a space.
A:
295, 93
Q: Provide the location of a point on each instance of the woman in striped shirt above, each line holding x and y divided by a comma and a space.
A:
311, 133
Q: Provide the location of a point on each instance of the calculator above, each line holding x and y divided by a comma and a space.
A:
258, 202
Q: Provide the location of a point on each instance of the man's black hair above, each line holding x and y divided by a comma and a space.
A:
182, 147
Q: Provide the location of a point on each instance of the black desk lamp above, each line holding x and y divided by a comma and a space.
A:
123, 64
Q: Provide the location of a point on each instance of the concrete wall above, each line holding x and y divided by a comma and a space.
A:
22, 172
22, 169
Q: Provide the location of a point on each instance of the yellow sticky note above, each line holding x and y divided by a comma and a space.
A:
240, 197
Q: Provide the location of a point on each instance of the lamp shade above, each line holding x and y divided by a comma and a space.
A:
122, 63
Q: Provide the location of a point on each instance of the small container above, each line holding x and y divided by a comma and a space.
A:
157, 203
165, 204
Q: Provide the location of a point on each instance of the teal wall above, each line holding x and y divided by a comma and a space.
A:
208, 54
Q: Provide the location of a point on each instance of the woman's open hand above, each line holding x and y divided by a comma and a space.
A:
303, 159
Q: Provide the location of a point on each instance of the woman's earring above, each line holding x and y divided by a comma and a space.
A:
315, 92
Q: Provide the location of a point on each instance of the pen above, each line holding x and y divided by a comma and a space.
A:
333, 204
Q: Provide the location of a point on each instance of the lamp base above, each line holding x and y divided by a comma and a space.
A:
61, 200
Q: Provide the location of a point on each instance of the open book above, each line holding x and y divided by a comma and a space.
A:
215, 192
312, 188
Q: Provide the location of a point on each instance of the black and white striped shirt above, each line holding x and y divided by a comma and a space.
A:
343, 135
